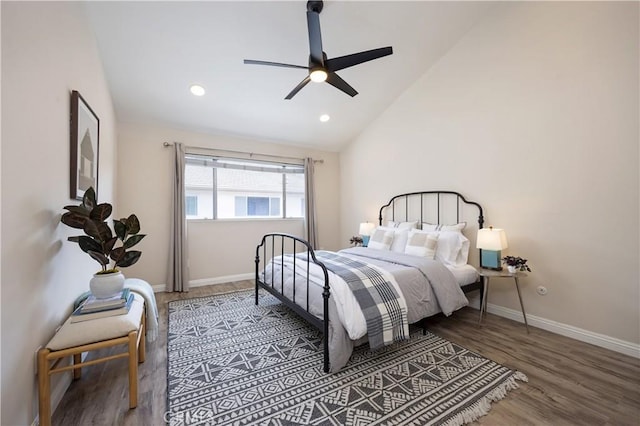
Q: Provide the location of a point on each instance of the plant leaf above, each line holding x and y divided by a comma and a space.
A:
74, 220
129, 258
91, 229
88, 244
117, 254
133, 240
77, 209
99, 257
108, 245
104, 230
89, 199
120, 228
133, 224
101, 212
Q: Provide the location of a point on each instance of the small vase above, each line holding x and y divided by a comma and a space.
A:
512, 269
106, 285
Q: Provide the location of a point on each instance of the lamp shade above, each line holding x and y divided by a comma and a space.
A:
491, 239
366, 228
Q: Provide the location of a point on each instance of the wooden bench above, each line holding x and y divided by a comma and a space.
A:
72, 339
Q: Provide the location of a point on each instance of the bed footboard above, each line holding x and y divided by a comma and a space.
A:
270, 251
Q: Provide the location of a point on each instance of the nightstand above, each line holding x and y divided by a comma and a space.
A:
486, 274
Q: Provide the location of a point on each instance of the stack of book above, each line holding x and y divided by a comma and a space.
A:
93, 308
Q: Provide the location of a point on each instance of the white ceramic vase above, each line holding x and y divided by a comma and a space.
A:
512, 269
106, 285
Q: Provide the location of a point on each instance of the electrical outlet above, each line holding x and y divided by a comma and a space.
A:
542, 290
35, 365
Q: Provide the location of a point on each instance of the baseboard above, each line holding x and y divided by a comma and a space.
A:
59, 390
221, 280
159, 288
607, 342
210, 281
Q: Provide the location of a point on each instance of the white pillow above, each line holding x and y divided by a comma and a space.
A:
453, 248
421, 243
402, 225
437, 227
400, 237
381, 239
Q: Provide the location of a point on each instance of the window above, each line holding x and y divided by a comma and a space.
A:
257, 206
227, 188
191, 205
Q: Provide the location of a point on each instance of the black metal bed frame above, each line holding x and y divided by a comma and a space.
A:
277, 242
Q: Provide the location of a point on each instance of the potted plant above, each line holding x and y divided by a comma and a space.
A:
99, 242
356, 240
515, 264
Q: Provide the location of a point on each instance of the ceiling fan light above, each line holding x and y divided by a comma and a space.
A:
318, 75
197, 90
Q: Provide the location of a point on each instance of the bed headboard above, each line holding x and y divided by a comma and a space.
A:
424, 206
437, 207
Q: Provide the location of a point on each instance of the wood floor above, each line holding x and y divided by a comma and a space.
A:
570, 382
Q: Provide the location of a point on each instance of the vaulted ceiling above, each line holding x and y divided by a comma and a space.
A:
154, 51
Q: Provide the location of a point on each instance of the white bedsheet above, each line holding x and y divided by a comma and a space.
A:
465, 274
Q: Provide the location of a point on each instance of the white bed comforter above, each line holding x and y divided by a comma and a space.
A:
427, 286
432, 288
348, 309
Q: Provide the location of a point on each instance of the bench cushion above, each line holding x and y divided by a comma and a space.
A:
85, 332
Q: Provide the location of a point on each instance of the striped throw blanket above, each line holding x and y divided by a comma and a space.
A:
381, 301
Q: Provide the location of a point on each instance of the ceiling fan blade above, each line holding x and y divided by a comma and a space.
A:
298, 87
315, 38
342, 62
273, 64
336, 81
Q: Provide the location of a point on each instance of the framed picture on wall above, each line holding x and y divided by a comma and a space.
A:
85, 142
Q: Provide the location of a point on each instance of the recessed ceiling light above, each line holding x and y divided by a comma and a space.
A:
324, 118
197, 90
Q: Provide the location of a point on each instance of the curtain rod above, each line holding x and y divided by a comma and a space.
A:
250, 154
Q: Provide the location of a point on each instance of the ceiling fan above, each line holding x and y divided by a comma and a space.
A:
320, 67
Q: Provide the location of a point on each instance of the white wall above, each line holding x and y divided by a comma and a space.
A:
218, 249
534, 114
47, 51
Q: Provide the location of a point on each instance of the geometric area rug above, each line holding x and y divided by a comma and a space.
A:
231, 362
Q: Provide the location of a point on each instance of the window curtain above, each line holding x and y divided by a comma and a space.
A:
178, 277
310, 205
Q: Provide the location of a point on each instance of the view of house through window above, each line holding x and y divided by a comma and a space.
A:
226, 188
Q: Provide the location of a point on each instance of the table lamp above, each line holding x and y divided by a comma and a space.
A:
490, 241
365, 231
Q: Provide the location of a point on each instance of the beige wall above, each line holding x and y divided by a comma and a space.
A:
534, 114
47, 51
218, 249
